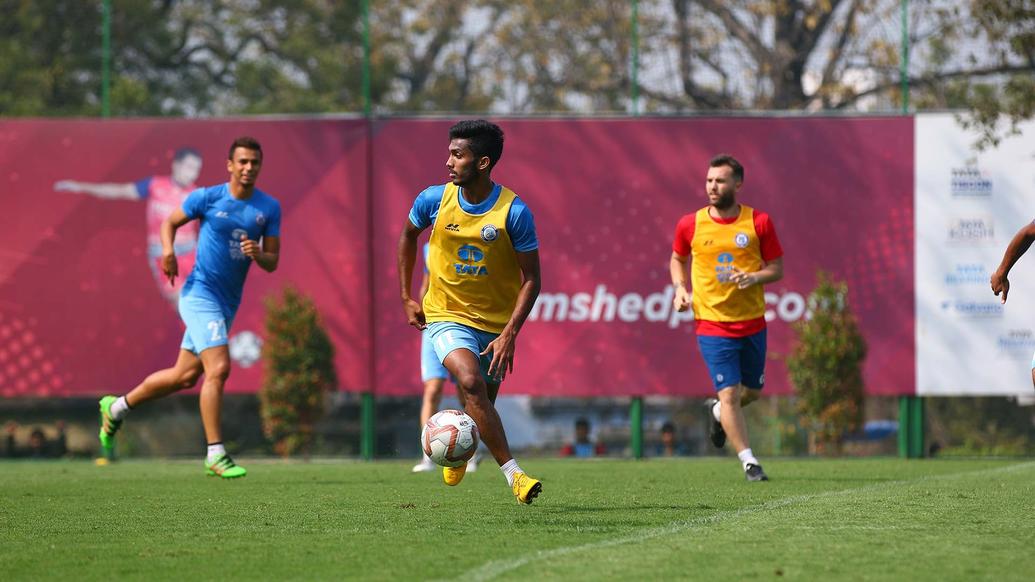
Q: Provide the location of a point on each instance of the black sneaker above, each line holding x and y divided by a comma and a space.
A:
754, 472
715, 431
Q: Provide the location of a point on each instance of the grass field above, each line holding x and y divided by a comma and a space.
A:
873, 519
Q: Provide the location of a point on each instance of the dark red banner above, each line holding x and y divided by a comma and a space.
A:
82, 313
80, 309
607, 194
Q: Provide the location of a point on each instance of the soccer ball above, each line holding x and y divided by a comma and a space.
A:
449, 438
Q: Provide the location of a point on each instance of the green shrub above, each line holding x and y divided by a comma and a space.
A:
299, 370
825, 366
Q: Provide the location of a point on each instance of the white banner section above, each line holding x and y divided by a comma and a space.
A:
969, 204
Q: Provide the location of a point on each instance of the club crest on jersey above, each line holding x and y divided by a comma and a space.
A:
260, 219
490, 233
741, 240
470, 256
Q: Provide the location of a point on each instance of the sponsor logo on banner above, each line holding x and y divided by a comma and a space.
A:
971, 182
972, 309
971, 229
1017, 342
968, 274
603, 306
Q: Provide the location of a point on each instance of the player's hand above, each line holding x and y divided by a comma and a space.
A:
502, 350
414, 314
250, 248
743, 279
681, 301
1000, 284
170, 267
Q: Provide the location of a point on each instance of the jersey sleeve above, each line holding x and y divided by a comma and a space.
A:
425, 206
521, 227
767, 239
143, 187
273, 221
195, 204
684, 235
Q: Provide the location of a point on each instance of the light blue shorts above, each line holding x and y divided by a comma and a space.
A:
446, 336
208, 325
430, 366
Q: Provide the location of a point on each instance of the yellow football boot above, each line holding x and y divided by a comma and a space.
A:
454, 475
526, 488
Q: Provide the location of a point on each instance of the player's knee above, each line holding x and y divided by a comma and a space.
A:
188, 379
471, 384
219, 370
730, 396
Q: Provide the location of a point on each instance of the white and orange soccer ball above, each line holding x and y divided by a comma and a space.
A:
449, 438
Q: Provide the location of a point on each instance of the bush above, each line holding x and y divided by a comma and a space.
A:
299, 370
825, 367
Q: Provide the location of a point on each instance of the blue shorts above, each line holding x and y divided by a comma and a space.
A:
430, 366
208, 324
734, 360
446, 336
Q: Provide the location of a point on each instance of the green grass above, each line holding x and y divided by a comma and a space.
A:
873, 519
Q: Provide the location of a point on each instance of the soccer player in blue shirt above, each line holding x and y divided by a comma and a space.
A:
240, 224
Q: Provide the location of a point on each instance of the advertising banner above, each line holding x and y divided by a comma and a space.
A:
969, 204
606, 195
83, 308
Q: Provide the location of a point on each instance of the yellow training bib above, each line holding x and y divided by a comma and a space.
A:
475, 277
716, 250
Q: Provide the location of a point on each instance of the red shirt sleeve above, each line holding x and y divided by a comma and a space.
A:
684, 235
767, 239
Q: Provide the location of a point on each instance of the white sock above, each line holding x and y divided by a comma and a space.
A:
119, 409
509, 468
214, 451
747, 457
716, 409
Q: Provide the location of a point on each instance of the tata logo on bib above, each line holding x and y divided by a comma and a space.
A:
470, 256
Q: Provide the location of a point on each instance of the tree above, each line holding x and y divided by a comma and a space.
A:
299, 371
825, 365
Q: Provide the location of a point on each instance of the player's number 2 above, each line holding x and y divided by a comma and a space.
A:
218, 329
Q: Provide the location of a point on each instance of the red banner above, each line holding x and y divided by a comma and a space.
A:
81, 312
607, 194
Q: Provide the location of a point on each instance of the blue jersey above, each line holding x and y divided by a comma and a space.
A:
520, 223
221, 266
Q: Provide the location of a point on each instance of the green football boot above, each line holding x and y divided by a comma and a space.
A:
109, 426
224, 467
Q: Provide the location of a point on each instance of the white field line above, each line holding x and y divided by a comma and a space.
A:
494, 568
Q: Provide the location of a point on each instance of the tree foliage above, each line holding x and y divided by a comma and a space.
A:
192, 57
825, 365
299, 371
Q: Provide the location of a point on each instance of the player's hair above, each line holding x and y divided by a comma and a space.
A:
582, 422
184, 152
484, 138
728, 160
248, 143
668, 427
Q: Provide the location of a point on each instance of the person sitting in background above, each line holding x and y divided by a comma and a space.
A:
669, 446
582, 447
38, 447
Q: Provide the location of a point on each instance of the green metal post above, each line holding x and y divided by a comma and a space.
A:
903, 71
106, 59
367, 106
368, 436
636, 426
916, 429
367, 410
635, 89
903, 426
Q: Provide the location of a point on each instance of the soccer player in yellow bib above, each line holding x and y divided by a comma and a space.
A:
732, 250
484, 265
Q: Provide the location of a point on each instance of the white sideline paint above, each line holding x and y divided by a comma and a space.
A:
495, 568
